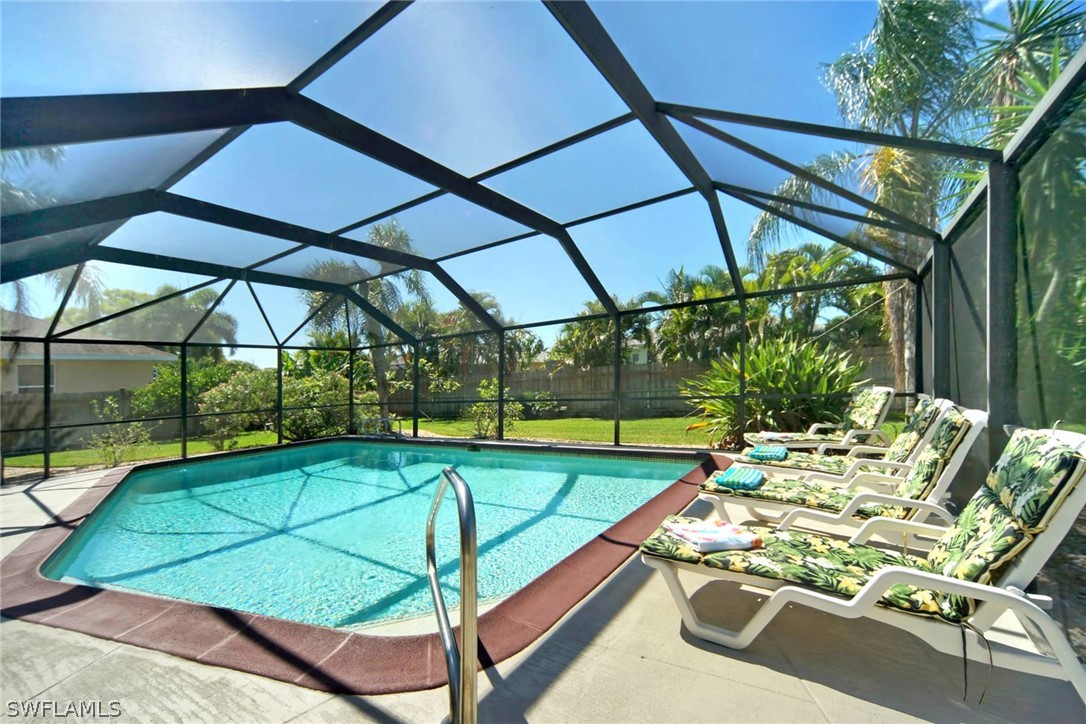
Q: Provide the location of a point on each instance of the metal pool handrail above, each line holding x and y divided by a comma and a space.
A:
463, 699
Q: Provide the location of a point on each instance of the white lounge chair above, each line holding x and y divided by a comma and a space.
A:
860, 424
976, 572
916, 496
895, 460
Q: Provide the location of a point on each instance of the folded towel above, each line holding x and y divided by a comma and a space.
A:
708, 536
780, 436
740, 478
776, 453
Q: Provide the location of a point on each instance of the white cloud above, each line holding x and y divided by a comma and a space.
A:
991, 6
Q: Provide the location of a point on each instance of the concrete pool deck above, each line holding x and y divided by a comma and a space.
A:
619, 656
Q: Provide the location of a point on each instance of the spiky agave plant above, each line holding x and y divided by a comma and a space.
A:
790, 384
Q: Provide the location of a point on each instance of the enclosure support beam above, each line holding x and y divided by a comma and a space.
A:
918, 364
1045, 117
351, 427
415, 392
618, 379
469, 302
594, 41
806, 175
954, 150
47, 406
742, 408
60, 120
940, 322
349, 133
55, 219
817, 208
803, 223
184, 401
279, 395
501, 385
1002, 280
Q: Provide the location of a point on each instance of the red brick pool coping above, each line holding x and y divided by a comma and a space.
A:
313, 656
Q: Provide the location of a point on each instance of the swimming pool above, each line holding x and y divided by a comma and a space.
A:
332, 534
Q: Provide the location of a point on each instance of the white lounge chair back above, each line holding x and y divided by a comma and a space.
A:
868, 408
918, 430
939, 462
1012, 525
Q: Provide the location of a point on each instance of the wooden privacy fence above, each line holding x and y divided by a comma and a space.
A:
590, 393
27, 410
648, 390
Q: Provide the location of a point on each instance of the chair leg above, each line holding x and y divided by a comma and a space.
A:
1056, 642
715, 634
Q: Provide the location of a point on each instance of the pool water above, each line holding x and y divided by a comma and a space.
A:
333, 534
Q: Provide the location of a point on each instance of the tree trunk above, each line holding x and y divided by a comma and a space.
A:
380, 364
900, 308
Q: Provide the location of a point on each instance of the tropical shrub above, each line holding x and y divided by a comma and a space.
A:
317, 406
162, 396
252, 390
118, 442
790, 384
540, 406
485, 413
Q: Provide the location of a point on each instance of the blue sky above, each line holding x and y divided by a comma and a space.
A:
470, 84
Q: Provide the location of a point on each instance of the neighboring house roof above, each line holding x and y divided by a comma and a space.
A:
22, 325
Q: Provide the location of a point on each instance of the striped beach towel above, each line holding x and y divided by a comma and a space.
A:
740, 478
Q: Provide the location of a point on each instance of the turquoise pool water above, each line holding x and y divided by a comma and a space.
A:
334, 534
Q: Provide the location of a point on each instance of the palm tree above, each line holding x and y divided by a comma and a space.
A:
804, 313
907, 78
383, 293
591, 342
168, 320
695, 332
1042, 36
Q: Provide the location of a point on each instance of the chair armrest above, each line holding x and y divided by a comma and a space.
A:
845, 479
882, 526
863, 499
889, 465
858, 450
875, 480
819, 426
891, 576
867, 435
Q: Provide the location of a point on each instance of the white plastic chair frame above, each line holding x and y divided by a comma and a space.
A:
786, 514
893, 468
852, 437
1054, 657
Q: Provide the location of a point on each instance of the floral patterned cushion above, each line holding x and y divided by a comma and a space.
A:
950, 432
782, 438
866, 408
1033, 475
910, 436
808, 495
985, 536
806, 559
833, 464
920, 481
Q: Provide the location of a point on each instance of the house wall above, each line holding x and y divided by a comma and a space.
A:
88, 375
99, 376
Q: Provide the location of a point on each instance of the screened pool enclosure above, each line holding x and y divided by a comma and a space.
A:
235, 224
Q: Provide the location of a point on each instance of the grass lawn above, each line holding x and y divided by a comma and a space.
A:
655, 431
154, 451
